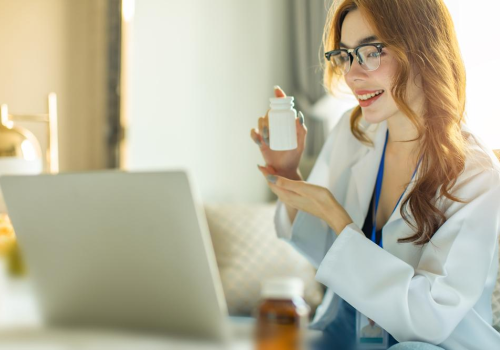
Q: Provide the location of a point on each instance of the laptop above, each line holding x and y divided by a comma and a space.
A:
119, 249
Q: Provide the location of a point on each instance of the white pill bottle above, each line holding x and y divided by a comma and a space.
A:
282, 125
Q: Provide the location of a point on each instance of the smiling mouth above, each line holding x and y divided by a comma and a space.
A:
368, 97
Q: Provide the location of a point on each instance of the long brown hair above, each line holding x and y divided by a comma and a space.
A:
422, 37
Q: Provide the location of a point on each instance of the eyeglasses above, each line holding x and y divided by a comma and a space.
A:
367, 55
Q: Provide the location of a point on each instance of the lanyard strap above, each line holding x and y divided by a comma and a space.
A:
378, 190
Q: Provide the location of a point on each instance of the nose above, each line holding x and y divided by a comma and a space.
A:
356, 71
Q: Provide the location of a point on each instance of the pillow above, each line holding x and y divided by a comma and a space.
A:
495, 302
248, 251
495, 299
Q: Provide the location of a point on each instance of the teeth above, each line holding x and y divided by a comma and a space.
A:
368, 96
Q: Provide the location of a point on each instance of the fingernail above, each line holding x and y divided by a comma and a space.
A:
276, 87
271, 178
265, 132
257, 142
301, 118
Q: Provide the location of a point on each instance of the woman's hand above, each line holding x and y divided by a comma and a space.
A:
315, 200
284, 163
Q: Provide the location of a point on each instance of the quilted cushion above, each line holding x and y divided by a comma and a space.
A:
248, 251
495, 300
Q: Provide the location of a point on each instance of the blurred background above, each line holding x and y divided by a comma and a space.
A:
162, 83
159, 84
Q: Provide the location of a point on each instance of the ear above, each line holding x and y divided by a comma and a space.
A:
415, 62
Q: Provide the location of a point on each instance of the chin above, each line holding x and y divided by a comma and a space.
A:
373, 117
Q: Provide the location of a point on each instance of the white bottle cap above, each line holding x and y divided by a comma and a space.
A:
288, 100
282, 288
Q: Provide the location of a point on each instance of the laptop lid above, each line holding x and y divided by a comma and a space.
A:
119, 249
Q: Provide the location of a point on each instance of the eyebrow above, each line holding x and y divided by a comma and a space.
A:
362, 41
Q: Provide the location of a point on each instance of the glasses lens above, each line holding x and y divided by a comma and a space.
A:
369, 57
340, 62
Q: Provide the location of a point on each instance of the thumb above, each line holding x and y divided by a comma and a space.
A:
278, 92
301, 128
301, 125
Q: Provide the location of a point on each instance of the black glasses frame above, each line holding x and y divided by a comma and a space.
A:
349, 52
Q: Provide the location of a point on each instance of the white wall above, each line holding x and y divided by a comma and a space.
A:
201, 75
476, 23
58, 46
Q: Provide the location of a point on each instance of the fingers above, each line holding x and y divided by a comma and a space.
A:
283, 195
267, 170
264, 128
271, 170
278, 92
301, 129
259, 139
256, 137
269, 173
282, 192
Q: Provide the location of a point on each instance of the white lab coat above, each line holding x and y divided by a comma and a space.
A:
438, 293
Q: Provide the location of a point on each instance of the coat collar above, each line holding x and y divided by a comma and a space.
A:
364, 175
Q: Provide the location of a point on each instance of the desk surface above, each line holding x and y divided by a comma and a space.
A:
21, 328
56, 339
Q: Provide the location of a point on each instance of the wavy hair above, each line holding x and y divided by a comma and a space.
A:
422, 37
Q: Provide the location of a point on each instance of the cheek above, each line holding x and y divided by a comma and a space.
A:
386, 72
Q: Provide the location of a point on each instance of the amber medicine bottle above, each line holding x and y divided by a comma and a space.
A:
282, 316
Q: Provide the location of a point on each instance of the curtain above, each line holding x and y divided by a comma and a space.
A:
309, 18
321, 110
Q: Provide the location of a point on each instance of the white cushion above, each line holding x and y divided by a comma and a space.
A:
248, 251
495, 301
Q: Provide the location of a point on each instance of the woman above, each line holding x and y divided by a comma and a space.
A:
401, 212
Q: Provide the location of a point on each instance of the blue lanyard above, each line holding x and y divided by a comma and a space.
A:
378, 190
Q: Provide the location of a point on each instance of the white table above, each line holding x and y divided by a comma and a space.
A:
53, 339
21, 328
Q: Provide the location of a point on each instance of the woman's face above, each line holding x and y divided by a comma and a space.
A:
354, 30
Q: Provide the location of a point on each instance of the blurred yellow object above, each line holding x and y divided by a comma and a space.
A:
20, 154
17, 142
15, 262
7, 235
9, 248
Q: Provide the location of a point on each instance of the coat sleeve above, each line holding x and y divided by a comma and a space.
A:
309, 235
425, 303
